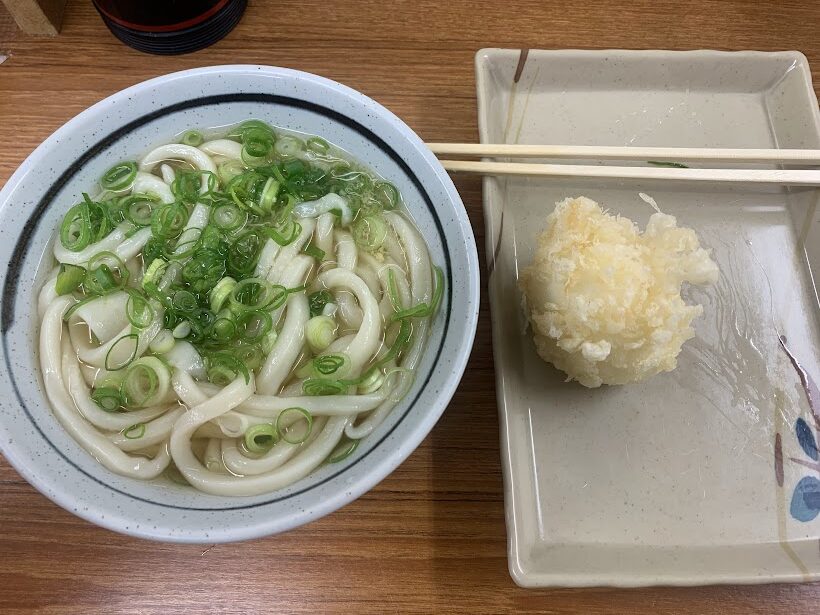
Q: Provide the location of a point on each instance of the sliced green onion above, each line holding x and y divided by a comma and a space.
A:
182, 330
230, 169
223, 329
269, 193
286, 235
438, 289
228, 217
386, 194
99, 218
244, 252
323, 386
318, 145
288, 146
194, 138
260, 438
138, 309
138, 208
185, 301
369, 232
248, 126
69, 278
223, 368
393, 291
283, 430
140, 386
257, 294
131, 337
343, 450
186, 186
107, 398
221, 292
119, 177
294, 169
320, 332
251, 294
250, 355
402, 339
204, 270
257, 147
106, 273
154, 271
329, 364
134, 432
253, 325
318, 301
75, 231
373, 381
313, 251
169, 220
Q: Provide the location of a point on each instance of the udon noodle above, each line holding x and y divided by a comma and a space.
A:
234, 311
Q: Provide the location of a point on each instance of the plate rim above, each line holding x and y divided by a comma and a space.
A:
521, 574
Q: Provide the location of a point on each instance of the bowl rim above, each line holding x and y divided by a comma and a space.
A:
418, 430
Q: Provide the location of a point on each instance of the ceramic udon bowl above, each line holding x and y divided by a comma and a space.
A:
128, 124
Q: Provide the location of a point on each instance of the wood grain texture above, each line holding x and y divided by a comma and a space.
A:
38, 17
431, 537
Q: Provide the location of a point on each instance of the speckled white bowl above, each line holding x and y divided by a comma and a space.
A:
128, 123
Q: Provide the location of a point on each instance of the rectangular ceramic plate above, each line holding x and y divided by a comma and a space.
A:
709, 473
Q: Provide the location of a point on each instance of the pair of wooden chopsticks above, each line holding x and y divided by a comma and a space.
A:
659, 155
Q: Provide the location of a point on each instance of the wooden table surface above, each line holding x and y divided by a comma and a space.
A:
430, 537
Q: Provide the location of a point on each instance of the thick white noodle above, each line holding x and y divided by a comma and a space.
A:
231, 424
197, 221
421, 290
213, 456
329, 202
347, 258
223, 147
96, 443
285, 351
368, 337
145, 183
294, 276
402, 288
156, 432
119, 352
269, 407
105, 316
288, 253
243, 465
115, 241
48, 293
415, 251
323, 239
184, 357
266, 258
368, 274
81, 396
178, 151
277, 456
392, 247
168, 173
224, 484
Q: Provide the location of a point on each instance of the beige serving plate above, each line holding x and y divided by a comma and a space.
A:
708, 474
